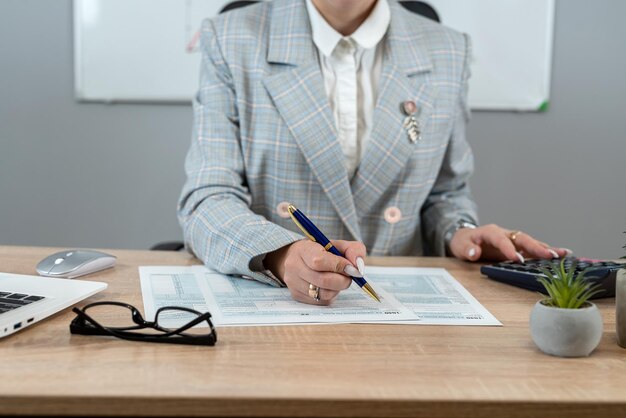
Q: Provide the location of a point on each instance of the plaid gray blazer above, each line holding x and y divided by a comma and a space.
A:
264, 135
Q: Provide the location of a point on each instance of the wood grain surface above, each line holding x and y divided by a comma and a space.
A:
320, 370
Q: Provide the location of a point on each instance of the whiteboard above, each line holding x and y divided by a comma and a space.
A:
147, 50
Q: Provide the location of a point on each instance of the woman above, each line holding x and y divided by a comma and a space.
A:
355, 112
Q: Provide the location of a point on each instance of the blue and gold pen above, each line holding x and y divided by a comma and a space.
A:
310, 230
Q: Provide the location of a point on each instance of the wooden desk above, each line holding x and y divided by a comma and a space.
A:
328, 370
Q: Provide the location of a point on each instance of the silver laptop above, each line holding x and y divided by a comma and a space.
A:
25, 300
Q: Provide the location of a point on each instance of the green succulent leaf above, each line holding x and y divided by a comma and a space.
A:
566, 289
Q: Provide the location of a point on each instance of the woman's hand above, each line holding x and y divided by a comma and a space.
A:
306, 263
491, 242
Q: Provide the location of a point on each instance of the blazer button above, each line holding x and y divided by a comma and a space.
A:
393, 214
282, 209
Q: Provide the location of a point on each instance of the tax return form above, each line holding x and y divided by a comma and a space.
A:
427, 296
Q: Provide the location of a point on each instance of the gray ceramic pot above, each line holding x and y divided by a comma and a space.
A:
566, 332
620, 307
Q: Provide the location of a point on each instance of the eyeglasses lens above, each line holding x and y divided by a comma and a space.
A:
172, 319
112, 316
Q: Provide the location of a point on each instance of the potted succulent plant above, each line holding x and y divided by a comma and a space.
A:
566, 324
620, 305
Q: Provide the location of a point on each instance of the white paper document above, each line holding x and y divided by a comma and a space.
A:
429, 296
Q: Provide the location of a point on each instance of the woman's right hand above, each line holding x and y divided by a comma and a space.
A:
305, 263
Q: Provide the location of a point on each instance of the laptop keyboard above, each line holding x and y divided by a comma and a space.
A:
10, 301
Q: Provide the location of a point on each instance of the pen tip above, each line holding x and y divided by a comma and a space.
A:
291, 208
368, 289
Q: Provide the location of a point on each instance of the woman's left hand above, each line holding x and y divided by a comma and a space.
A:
492, 242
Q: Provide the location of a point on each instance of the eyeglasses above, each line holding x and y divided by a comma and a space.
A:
124, 321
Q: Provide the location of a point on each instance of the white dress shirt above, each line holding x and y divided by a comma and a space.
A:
351, 68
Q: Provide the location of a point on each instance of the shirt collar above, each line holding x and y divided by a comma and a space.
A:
368, 35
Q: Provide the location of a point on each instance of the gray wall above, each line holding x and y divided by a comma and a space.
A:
96, 175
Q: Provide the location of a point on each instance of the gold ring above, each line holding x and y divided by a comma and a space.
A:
513, 235
314, 292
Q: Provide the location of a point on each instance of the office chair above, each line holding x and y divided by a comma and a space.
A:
237, 4
419, 7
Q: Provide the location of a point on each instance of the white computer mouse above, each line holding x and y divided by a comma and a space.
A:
74, 263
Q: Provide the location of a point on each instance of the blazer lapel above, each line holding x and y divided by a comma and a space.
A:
297, 89
405, 76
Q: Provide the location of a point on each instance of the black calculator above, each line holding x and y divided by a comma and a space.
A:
524, 274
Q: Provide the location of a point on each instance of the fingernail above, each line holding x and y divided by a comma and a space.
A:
471, 253
554, 254
520, 257
351, 271
360, 265
568, 251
